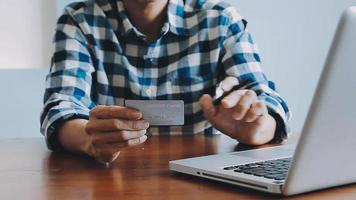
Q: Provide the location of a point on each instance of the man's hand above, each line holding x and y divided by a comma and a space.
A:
241, 116
112, 128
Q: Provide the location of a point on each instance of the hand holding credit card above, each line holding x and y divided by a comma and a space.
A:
160, 112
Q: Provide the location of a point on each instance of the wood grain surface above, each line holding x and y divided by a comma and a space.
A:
29, 171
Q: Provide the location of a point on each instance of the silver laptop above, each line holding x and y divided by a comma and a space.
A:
325, 155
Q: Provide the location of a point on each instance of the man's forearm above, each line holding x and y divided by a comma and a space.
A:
73, 137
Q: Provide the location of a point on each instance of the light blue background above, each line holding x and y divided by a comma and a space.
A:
21, 94
294, 37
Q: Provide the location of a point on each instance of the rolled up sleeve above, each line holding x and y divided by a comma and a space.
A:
241, 59
68, 84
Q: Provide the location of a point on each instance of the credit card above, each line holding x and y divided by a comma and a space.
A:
160, 112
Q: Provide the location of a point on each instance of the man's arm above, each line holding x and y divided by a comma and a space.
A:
108, 130
68, 84
70, 119
73, 138
241, 116
254, 113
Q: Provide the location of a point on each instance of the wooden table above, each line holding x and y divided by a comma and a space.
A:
29, 171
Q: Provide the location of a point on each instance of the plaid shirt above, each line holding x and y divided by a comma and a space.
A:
101, 58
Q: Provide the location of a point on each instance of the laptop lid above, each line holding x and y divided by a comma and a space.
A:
325, 155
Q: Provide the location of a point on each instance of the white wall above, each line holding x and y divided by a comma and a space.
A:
26, 32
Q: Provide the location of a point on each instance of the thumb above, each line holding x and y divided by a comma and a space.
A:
206, 104
227, 84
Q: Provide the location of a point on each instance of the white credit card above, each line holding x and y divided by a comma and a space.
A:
159, 112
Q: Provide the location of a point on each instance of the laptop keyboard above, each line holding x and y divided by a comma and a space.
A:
271, 169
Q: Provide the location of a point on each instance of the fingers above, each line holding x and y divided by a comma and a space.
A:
243, 103
110, 112
206, 104
109, 152
116, 137
228, 83
137, 141
129, 143
105, 125
231, 100
257, 110
243, 106
112, 128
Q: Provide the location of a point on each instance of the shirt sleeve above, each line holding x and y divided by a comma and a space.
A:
68, 84
241, 59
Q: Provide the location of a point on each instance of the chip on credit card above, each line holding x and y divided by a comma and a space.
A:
160, 112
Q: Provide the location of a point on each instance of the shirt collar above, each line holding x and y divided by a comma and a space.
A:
175, 20
126, 26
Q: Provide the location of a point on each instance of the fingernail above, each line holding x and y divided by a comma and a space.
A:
139, 115
146, 124
143, 138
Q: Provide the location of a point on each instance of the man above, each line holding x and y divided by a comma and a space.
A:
111, 50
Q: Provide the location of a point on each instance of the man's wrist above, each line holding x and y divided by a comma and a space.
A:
271, 127
280, 133
73, 137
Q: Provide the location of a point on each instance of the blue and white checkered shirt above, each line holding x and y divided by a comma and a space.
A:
101, 58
